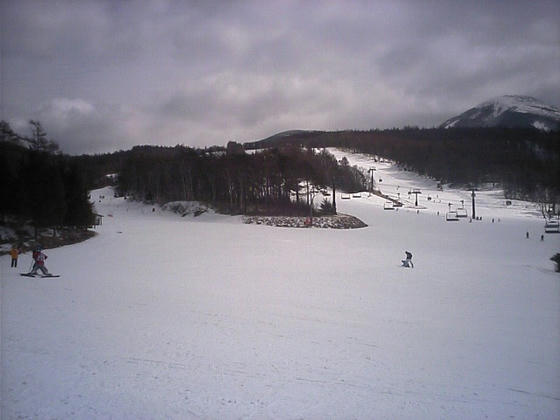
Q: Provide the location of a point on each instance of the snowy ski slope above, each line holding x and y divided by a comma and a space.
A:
397, 183
162, 316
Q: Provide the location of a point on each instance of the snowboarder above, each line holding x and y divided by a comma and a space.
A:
39, 259
408, 261
14, 253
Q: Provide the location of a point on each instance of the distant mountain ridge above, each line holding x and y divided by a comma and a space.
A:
293, 137
511, 111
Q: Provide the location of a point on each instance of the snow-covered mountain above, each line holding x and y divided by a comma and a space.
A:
509, 111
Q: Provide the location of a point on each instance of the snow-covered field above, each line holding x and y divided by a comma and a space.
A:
399, 185
162, 316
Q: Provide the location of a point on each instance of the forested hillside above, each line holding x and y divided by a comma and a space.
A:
525, 162
50, 188
46, 188
233, 180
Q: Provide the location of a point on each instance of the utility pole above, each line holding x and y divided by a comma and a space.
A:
313, 192
334, 193
473, 210
372, 170
416, 192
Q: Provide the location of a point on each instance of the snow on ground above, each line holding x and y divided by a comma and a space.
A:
397, 183
163, 316
522, 104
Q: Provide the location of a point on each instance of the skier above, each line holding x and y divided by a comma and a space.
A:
14, 252
408, 261
39, 259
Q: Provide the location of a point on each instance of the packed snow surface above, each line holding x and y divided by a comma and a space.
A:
163, 316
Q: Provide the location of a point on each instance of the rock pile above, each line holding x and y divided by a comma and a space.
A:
185, 208
339, 221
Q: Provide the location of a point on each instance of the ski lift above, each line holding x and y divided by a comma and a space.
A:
389, 205
552, 226
415, 191
98, 219
461, 212
451, 216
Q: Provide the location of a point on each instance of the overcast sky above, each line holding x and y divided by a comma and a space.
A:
107, 75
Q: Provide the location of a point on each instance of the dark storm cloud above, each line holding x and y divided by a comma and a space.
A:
104, 75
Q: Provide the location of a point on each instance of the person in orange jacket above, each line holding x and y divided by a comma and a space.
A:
14, 253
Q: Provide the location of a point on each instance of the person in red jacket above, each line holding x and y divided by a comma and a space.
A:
39, 259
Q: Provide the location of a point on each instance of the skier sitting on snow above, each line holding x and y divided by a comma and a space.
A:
408, 261
39, 259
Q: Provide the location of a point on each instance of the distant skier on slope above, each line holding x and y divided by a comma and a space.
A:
39, 264
408, 261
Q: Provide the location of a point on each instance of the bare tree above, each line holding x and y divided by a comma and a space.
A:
39, 139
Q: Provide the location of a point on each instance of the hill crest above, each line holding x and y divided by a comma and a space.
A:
512, 111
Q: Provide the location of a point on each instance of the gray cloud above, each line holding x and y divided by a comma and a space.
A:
105, 75
82, 127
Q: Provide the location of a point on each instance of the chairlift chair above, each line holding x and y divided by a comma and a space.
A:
451, 216
552, 226
461, 212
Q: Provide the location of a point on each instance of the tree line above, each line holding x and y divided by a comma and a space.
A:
50, 188
525, 162
39, 184
276, 180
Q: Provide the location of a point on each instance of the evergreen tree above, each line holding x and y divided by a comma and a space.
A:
78, 208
